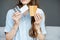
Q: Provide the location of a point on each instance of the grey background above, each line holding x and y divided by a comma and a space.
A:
50, 7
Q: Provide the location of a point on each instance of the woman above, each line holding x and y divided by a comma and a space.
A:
18, 26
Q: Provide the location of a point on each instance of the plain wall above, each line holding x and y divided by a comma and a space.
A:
52, 10
50, 7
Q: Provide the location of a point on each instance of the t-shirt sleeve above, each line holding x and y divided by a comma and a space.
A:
9, 21
43, 28
42, 24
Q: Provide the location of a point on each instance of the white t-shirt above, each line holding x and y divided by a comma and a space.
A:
24, 26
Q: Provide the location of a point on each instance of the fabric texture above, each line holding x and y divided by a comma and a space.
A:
24, 26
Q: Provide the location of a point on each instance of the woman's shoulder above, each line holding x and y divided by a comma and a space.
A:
39, 10
10, 12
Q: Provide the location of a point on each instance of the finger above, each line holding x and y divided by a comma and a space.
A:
19, 16
17, 13
13, 17
39, 16
36, 17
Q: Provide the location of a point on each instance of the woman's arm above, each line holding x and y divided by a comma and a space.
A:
40, 35
38, 20
16, 17
11, 34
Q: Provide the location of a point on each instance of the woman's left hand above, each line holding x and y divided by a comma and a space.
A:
38, 18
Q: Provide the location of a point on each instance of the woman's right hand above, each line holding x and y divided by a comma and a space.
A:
16, 17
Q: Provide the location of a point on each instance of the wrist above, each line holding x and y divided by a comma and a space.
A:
16, 24
36, 24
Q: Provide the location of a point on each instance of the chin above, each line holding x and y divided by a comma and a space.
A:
24, 3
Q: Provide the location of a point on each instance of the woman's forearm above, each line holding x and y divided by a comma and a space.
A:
11, 34
40, 35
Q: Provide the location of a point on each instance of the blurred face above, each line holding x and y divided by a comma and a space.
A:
25, 1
